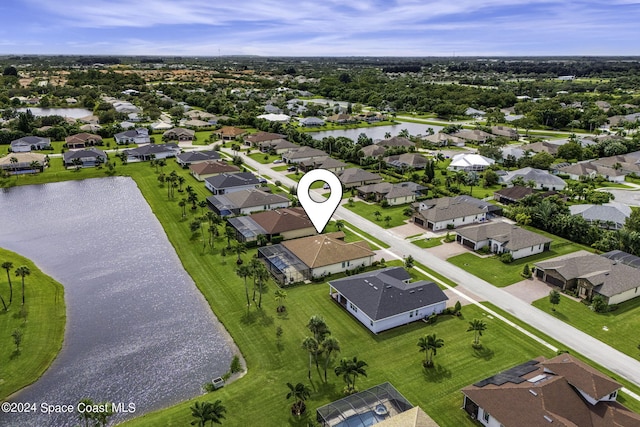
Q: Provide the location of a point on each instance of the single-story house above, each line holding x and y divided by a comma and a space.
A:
588, 169
272, 117
342, 118
287, 223
372, 150
228, 183
510, 133
85, 158
303, 154
134, 136
612, 215
192, 157
443, 139
561, 391
538, 147
543, 179
244, 202
152, 151
258, 137
228, 133
28, 143
469, 162
447, 212
591, 275
280, 146
406, 160
195, 123
502, 237
384, 299
356, 177
199, 115
82, 140
209, 168
314, 257
627, 163
475, 113
476, 136
394, 194
311, 122
19, 163
161, 125
270, 108
514, 194
396, 141
179, 134
328, 163
515, 152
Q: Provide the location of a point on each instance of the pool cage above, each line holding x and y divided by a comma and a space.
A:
378, 402
285, 267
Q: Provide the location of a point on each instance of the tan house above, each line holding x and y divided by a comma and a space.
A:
82, 140
505, 131
209, 168
19, 163
256, 138
228, 133
327, 163
356, 177
394, 194
303, 154
286, 223
179, 134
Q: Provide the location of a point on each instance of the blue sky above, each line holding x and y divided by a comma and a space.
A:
320, 27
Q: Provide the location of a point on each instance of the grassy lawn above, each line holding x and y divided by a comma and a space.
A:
417, 275
500, 274
260, 158
428, 242
296, 178
622, 324
366, 211
280, 168
43, 330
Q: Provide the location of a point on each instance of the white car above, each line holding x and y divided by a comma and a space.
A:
276, 161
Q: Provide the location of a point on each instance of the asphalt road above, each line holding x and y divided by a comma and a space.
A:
624, 366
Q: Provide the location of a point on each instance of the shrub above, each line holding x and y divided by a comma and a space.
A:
449, 238
485, 250
526, 272
450, 227
384, 203
506, 257
235, 365
599, 305
457, 307
278, 183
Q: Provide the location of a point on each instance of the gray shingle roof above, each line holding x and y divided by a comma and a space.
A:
447, 208
196, 156
539, 176
382, 293
614, 212
232, 180
357, 175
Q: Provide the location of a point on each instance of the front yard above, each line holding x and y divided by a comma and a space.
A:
367, 211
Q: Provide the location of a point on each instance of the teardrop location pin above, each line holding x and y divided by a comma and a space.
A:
319, 212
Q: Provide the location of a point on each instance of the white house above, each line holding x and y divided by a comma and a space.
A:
384, 299
542, 179
502, 237
469, 162
134, 136
27, 143
451, 212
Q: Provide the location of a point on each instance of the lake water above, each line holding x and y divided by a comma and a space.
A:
378, 132
138, 330
75, 113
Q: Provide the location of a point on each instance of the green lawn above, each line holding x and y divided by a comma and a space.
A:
428, 242
500, 274
315, 185
260, 157
366, 211
622, 324
280, 168
43, 330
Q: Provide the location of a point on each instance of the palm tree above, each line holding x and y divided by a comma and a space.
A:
14, 163
280, 295
300, 392
199, 411
477, 326
472, 180
261, 240
183, 204
350, 369
329, 345
244, 271
387, 220
339, 224
21, 272
239, 248
86, 415
254, 265
377, 214
215, 412
311, 346
4, 305
430, 345
8, 265
262, 275
318, 327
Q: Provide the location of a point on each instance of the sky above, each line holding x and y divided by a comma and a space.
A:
320, 27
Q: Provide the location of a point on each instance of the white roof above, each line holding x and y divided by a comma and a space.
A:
275, 117
162, 126
467, 160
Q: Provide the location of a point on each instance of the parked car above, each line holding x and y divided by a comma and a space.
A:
262, 180
291, 169
276, 161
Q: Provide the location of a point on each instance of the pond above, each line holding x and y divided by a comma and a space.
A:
74, 113
378, 132
138, 330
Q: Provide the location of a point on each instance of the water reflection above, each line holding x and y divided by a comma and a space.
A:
138, 330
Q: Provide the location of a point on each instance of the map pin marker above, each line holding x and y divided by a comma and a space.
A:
319, 212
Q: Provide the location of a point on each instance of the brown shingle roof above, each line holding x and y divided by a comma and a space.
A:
82, 138
213, 166
262, 137
282, 220
321, 250
582, 376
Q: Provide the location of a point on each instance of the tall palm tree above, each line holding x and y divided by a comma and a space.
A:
311, 346
477, 326
262, 275
215, 412
261, 240
86, 415
199, 411
387, 220
318, 327
21, 272
430, 345
280, 296
299, 392
254, 264
329, 345
8, 265
350, 369
244, 271
239, 248
377, 214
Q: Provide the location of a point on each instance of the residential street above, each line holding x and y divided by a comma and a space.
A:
610, 358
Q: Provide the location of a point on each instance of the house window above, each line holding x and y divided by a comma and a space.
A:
411, 314
371, 322
485, 416
531, 248
342, 264
613, 395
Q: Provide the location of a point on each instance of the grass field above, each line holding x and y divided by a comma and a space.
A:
260, 157
621, 325
42, 332
428, 243
366, 211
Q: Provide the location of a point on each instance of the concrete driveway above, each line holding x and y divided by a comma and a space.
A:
529, 290
447, 250
628, 197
